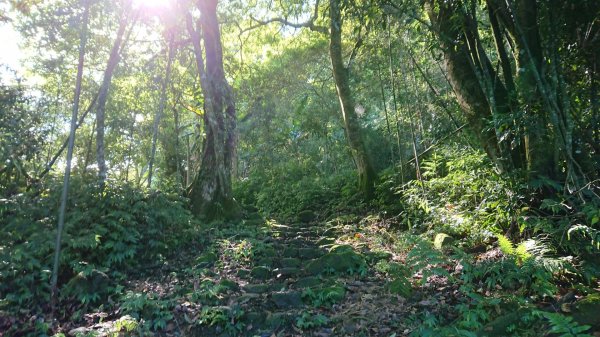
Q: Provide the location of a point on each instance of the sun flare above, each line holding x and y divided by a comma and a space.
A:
152, 3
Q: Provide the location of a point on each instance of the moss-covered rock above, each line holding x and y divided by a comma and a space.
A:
266, 262
229, 285
442, 241
291, 263
288, 299
374, 257
325, 241
587, 311
207, 259
261, 272
257, 288
341, 249
309, 253
307, 216
337, 261
286, 272
306, 282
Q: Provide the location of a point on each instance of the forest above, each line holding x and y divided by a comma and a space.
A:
394, 168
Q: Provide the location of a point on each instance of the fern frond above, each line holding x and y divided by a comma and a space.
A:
505, 245
586, 231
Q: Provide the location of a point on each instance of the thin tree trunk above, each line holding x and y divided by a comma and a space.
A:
521, 19
494, 13
161, 105
178, 162
88, 151
366, 172
412, 128
130, 148
113, 60
395, 101
188, 170
66, 142
387, 119
67, 177
436, 95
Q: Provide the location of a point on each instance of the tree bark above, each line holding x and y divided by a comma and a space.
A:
466, 66
113, 60
211, 191
539, 145
354, 134
161, 105
71, 145
494, 14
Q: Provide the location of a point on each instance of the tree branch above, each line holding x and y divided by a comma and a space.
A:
66, 142
357, 46
310, 23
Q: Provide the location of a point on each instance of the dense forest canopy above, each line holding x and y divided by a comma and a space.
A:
161, 161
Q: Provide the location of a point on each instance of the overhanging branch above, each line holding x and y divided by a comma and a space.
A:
310, 23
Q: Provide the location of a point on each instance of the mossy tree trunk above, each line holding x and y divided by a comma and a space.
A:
211, 191
354, 134
540, 145
465, 67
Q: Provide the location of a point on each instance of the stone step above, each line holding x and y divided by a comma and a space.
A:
290, 262
259, 288
261, 273
307, 282
286, 272
287, 299
310, 253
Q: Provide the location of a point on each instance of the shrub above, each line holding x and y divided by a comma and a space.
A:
106, 233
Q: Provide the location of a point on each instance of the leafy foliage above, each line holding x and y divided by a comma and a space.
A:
106, 236
289, 192
309, 321
21, 141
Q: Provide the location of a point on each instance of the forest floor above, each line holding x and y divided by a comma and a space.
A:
346, 277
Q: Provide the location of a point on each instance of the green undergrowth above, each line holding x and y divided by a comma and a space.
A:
466, 251
109, 236
285, 194
497, 242
500, 243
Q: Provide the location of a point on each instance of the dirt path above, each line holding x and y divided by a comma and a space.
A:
299, 282
268, 279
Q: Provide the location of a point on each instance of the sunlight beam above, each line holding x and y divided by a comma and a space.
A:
152, 4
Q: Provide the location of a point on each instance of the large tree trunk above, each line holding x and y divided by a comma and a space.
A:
113, 60
482, 96
211, 191
354, 135
539, 144
463, 76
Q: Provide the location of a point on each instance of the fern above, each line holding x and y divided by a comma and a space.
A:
565, 326
505, 245
586, 231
